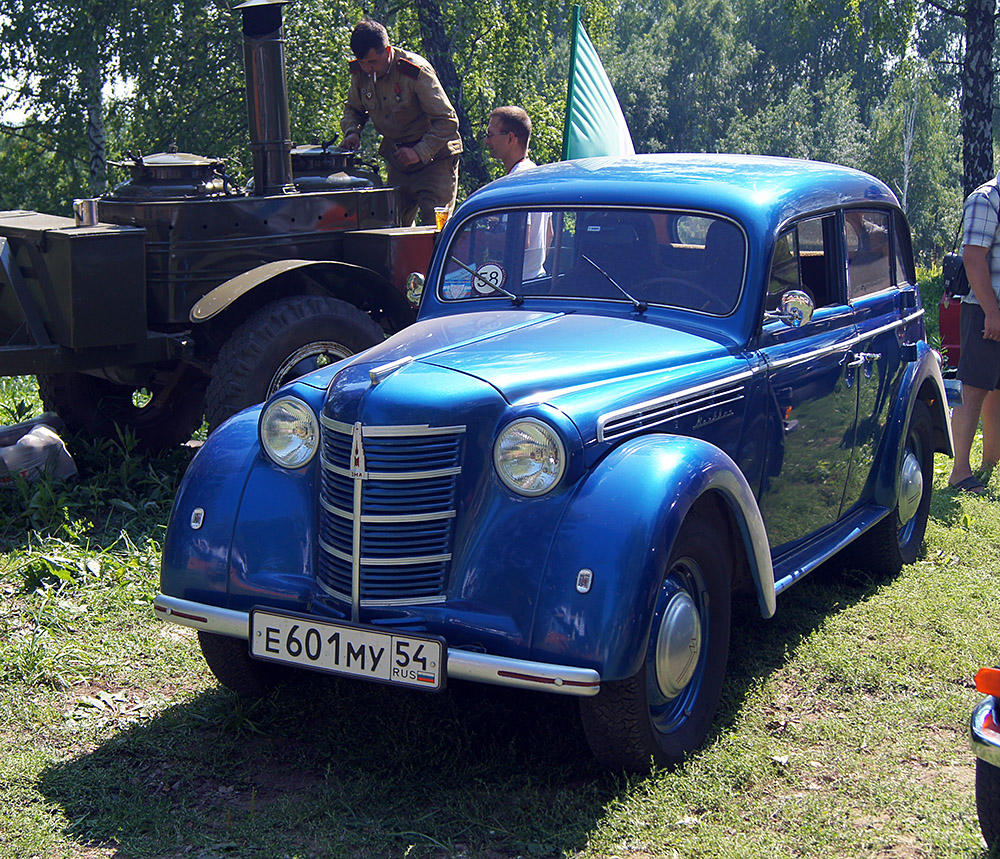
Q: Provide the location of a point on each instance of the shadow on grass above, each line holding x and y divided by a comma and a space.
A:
342, 768
339, 768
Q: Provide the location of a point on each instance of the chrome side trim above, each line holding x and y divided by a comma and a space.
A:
984, 733
462, 664
846, 344
730, 386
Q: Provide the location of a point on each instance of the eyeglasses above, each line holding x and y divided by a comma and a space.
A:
495, 133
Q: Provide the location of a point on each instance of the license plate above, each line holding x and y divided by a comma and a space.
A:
344, 648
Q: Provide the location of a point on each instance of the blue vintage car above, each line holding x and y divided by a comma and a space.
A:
637, 390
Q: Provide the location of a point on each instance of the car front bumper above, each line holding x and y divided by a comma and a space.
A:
462, 664
984, 731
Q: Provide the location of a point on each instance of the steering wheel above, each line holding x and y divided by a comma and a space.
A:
675, 285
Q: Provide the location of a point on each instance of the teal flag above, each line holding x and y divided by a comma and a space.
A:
595, 124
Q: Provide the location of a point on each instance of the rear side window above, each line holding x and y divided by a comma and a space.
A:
869, 252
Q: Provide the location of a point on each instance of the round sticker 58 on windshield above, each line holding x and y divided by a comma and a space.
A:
488, 278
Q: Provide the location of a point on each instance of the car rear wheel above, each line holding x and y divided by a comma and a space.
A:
896, 540
230, 661
280, 342
665, 710
988, 800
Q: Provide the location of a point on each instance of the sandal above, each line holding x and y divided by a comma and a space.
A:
971, 484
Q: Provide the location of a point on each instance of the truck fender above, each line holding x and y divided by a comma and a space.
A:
377, 291
620, 526
923, 380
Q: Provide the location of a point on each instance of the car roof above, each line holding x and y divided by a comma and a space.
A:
755, 189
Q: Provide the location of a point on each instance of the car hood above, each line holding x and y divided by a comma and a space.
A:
537, 356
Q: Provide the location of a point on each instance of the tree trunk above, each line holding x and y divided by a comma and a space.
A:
437, 50
977, 94
96, 138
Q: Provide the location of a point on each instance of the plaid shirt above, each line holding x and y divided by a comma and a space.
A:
980, 222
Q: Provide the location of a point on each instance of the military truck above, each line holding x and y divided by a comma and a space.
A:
181, 295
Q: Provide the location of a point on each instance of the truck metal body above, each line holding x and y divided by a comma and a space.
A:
126, 311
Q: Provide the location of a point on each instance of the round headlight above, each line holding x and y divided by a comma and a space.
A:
289, 432
529, 457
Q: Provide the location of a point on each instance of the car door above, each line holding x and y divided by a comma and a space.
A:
812, 395
879, 275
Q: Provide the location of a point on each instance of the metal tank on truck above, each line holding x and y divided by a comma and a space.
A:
181, 295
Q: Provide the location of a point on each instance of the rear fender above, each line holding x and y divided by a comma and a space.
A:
621, 526
923, 381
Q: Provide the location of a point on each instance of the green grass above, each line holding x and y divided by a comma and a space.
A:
843, 730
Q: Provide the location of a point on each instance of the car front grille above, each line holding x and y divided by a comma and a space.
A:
387, 500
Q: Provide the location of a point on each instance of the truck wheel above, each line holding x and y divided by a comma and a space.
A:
162, 415
665, 710
280, 342
230, 661
896, 539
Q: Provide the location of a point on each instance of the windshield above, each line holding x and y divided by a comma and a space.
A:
693, 261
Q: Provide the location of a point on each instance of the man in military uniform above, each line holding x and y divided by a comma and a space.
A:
402, 96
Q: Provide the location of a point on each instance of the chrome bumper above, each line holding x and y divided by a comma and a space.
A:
984, 732
462, 664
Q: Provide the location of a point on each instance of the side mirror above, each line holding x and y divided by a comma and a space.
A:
414, 288
795, 310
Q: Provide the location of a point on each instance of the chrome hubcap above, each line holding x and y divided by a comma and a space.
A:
678, 644
911, 488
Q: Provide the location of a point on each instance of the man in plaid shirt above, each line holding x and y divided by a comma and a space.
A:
979, 363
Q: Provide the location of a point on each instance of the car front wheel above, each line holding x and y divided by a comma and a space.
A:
665, 710
230, 661
988, 800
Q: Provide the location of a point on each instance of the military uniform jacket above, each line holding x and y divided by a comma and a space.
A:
408, 106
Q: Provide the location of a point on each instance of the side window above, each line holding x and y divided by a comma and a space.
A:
802, 261
869, 262
904, 252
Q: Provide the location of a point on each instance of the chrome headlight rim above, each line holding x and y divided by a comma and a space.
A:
555, 477
307, 441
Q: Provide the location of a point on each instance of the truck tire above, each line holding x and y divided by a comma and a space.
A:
169, 411
665, 710
280, 342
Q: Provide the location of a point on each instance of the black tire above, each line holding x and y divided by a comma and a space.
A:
637, 721
230, 661
162, 414
988, 800
280, 342
896, 540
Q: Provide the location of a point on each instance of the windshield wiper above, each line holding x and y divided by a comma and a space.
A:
640, 306
516, 299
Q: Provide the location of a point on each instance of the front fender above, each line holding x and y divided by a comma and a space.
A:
621, 525
195, 558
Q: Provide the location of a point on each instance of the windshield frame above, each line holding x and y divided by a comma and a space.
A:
515, 289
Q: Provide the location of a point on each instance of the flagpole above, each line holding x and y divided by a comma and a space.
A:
572, 80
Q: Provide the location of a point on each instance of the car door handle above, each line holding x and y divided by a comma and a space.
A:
862, 358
